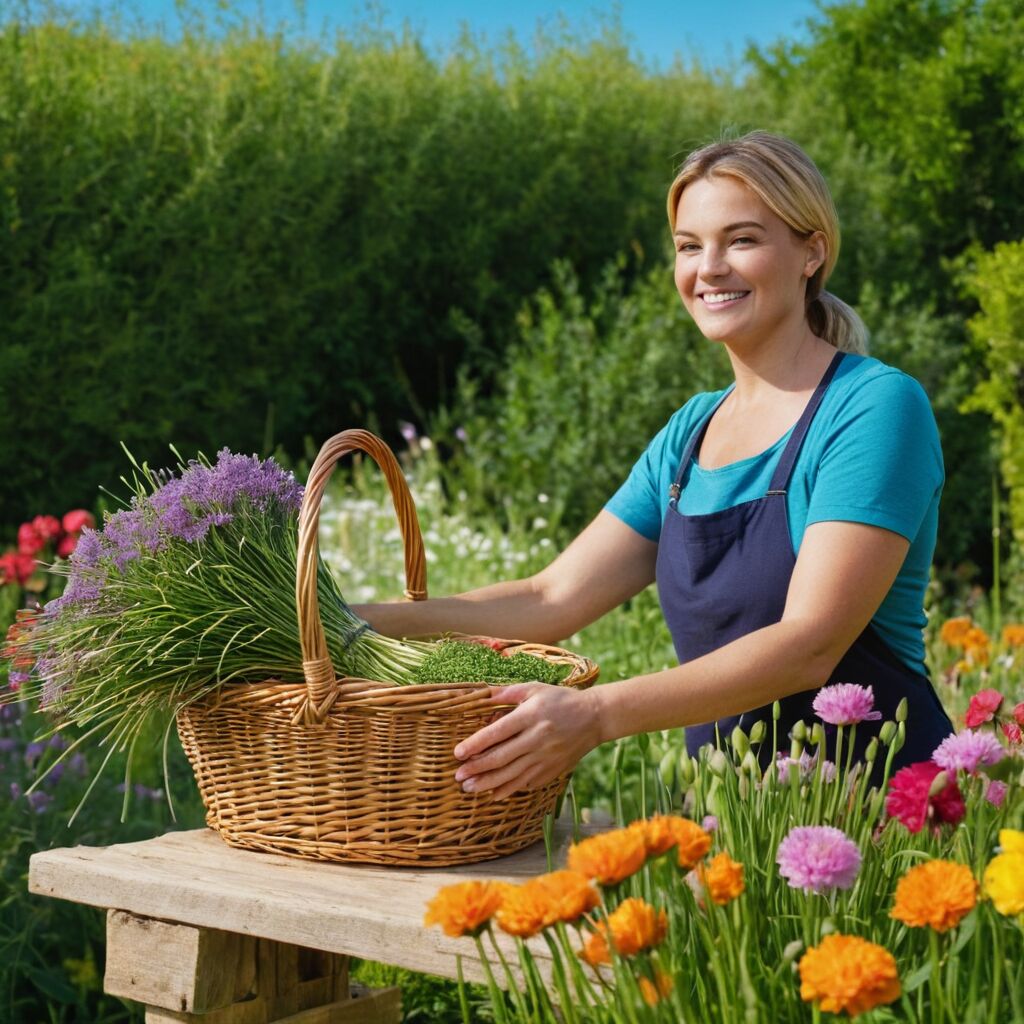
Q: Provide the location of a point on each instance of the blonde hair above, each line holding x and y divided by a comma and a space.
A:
785, 178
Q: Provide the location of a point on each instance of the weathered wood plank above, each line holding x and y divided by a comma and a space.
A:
195, 878
364, 1006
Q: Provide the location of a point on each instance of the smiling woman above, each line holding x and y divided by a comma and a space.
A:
789, 521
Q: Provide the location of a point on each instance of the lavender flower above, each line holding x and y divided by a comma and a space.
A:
846, 704
710, 823
818, 857
968, 751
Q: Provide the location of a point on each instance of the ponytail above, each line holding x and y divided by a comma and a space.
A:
837, 323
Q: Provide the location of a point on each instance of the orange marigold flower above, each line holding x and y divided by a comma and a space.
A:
466, 907
634, 925
848, 974
1013, 635
610, 857
953, 631
722, 878
654, 991
975, 645
558, 896
664, 831
937, 893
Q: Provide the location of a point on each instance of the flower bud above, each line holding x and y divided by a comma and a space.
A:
687, 769
828, 927
887, 732
817, 734
757, 731
643, 741
739, 741
790, 953
799, 730
750, 766
939, 783
667, 768
718, 763
901, 737
901, 710
872, 750
776, 711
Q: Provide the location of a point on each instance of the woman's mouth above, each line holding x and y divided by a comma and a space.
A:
722, 300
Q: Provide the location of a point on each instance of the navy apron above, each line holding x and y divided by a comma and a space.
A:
725, 574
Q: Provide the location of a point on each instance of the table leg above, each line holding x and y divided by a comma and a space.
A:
190, 974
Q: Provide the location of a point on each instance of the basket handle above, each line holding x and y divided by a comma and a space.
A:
317, 669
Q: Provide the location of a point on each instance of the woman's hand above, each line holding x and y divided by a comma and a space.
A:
542, 738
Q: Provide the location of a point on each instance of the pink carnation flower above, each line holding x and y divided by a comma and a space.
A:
818, 857
995, 793
846, 704
911, 801
968, 751
984, 704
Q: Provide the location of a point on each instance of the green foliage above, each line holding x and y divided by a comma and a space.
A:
996, 280
584, 387
232, 237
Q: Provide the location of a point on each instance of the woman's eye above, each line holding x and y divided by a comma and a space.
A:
744, 239
687, 247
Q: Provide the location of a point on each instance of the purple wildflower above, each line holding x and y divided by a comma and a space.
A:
710, 823
968, 751
77, 764
33, 752
39, 800
818, 857
7, 744
15, 791
846, 704
408, 431
461, 435
15, 679
54, 774
807, 764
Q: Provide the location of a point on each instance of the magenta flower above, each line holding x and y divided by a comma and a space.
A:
846, 704
818, 857
911, 801
995, 793
968, 751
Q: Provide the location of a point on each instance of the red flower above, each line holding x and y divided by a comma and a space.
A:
1013, 732
48, 527
75, 520
911, 801
29, 541
984, 704
66, 545
1018, 714
16, 567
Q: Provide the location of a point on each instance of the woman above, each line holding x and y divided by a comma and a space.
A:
789, 521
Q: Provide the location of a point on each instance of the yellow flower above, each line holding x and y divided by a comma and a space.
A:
466, 907
664, 831
610, 857
634, 925
848, 974
654, 991
723, 878
936, 894
558, 896
1003, 880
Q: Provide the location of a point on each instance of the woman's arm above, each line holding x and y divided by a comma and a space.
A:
608, 563
842, 573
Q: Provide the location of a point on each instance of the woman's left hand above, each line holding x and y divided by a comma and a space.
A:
542, 738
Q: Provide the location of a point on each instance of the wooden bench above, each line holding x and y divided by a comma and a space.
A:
200, 931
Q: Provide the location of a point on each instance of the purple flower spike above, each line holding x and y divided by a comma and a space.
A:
818, 857
968, 751
846, 704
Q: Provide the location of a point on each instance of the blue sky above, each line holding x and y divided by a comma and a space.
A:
715, 32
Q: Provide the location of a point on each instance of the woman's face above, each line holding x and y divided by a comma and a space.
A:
740, 270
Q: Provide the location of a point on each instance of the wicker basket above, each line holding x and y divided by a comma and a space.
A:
351, 769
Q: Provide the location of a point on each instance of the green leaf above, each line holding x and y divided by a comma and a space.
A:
918, 978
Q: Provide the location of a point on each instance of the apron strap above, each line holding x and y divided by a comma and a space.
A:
694, 443
784, 469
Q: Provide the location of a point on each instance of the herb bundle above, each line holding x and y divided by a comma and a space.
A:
189, 587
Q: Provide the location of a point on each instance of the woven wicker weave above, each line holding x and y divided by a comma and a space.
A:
351, 769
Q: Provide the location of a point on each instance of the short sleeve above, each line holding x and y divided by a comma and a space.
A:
638, 501
881, 462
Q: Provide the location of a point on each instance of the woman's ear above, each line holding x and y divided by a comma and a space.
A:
817, 252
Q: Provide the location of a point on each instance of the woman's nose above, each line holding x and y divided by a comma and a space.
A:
712, 262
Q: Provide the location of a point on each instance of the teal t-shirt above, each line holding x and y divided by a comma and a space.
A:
871, 455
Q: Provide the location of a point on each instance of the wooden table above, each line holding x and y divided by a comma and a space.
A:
200, 931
